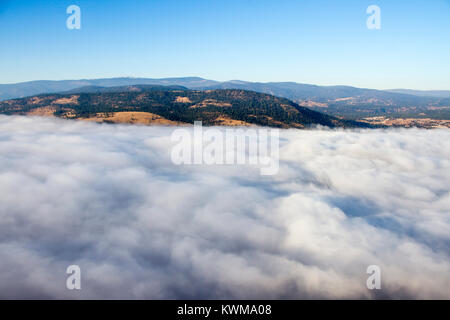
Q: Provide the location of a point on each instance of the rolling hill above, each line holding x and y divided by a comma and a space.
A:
338, 101
173, 105
290, 90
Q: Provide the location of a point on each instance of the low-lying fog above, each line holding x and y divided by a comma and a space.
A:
109, 199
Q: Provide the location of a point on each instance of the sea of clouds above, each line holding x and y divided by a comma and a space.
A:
109, 199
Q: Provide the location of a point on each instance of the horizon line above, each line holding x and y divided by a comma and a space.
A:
220, 81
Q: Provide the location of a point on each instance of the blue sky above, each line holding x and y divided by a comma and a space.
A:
322, 42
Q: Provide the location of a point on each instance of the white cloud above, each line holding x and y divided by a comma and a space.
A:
108, 198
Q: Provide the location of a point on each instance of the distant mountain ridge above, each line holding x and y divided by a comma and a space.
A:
30, 88
128, 88
423, 93
290, 90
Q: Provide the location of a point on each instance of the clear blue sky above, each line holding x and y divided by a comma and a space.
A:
323, 42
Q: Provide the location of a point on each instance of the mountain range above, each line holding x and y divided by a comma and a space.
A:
25, 89
290, 90
347, 102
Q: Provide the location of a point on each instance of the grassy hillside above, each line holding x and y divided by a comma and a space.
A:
213, 107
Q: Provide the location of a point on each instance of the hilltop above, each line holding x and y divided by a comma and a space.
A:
173, 106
